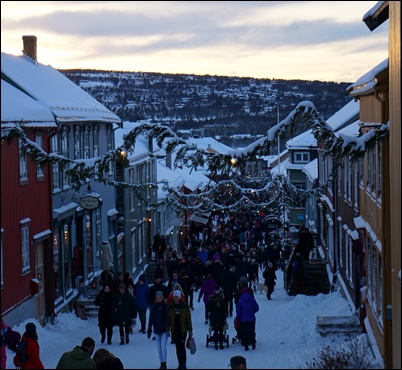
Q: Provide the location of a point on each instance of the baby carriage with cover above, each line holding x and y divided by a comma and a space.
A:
215, 341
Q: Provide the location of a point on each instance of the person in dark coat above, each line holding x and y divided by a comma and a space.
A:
142, 297
157, 286
104, 300
12, 338
124, 311
107, 360
157, 323
306, 242
298, 273
79, 357
217, 309
228, 284
269, 276
246, 309
253, 271
32, 348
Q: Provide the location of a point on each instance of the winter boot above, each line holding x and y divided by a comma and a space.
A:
121, 340
127, 338
163, 365
103, 338
221, 346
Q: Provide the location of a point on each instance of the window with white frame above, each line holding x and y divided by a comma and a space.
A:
87, 153
355, 185
55, 166
148, 174
133, 248
25, 257
39, 167
132, 190
23, 164
77, 142
361, 174
96, 141
65, 154
301, 157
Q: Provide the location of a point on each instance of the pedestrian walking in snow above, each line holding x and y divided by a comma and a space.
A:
246, 309
104, 300
157, 324
178, 322
269, 276
124, 312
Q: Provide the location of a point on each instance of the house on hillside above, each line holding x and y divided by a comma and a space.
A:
81, 218
26, 211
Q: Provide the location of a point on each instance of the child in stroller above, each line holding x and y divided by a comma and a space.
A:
217, 320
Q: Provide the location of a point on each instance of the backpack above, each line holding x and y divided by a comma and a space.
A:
21, 354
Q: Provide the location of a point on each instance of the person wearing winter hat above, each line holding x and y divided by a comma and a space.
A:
157, 323
32, 348
178, 322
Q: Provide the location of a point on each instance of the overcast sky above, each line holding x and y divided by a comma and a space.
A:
309, 40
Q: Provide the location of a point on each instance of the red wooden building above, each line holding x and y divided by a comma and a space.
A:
26, 211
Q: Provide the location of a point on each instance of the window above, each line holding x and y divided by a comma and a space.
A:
86, 143
368, 171
373, 171
56, 264
77, 143
301, 157
361, 174
132, 191
23, 165
67, 259
379, 169
65, 153
25, 245
349, 258
55, 166
40, 175
96, 141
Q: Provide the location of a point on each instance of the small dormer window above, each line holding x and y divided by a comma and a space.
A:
301, 157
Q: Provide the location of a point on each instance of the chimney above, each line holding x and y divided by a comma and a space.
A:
30, 47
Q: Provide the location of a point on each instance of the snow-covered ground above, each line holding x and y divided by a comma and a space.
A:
286, 335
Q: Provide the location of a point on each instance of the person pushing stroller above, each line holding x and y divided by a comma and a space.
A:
218, 316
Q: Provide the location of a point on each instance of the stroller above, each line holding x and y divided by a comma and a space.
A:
211, 337
236, 338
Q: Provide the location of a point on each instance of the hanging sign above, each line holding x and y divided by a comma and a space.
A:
89, 202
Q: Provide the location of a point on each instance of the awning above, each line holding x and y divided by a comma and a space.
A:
199, 219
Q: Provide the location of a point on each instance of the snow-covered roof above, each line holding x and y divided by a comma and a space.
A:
311, 169
67, 101
305, 140
346, 114
210, 144
366, 83
350, 130
19, 107
141, 142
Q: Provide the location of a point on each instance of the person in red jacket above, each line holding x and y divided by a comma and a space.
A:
32, 348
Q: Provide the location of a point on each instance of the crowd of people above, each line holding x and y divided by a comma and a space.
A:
219, 263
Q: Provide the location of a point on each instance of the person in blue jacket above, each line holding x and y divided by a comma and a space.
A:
157, 323
142, 294
246, 309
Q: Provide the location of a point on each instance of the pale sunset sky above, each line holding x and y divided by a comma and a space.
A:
307, 40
